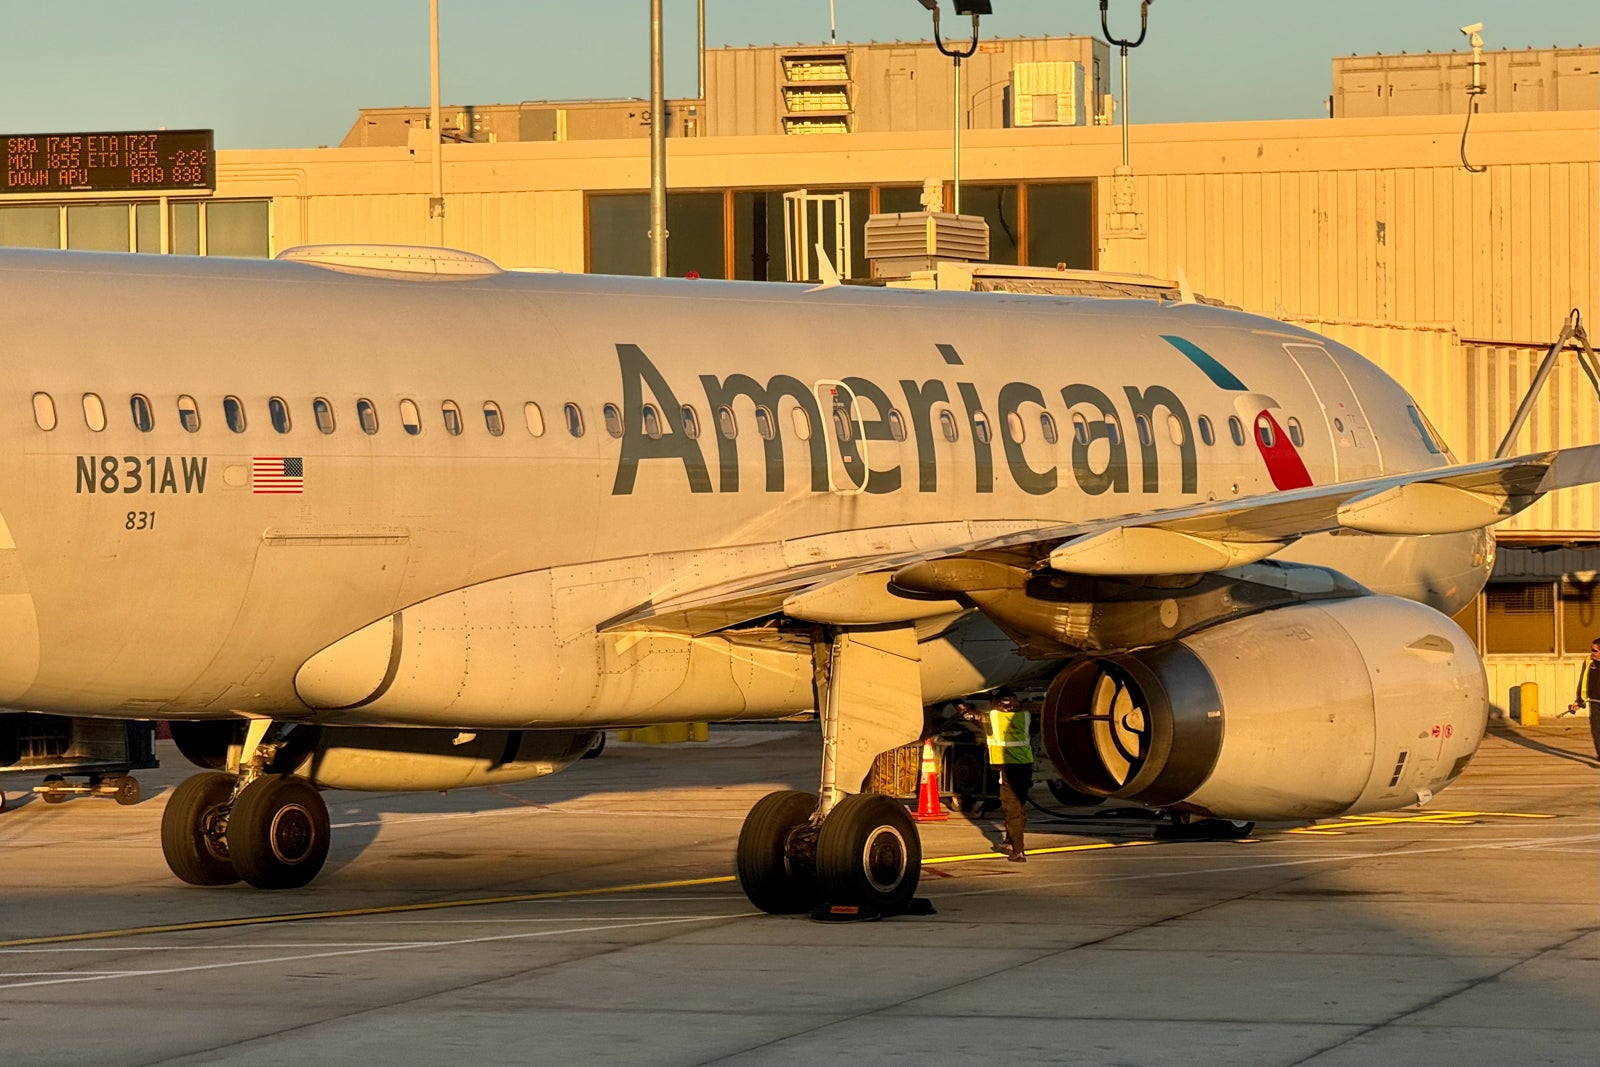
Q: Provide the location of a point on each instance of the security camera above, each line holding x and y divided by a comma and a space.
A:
1476, 27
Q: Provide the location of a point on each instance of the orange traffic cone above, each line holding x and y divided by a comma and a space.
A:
928, 806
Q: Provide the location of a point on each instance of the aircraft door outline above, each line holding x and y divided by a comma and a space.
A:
1349, 431
840, 411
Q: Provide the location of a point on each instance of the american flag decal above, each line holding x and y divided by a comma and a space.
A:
277, 474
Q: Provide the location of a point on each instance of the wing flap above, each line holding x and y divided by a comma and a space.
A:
1192, 539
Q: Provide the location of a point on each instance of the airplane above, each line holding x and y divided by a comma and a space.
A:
383, 518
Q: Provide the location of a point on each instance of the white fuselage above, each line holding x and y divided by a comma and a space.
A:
146, 572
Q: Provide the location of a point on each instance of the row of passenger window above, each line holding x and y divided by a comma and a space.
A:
453, 421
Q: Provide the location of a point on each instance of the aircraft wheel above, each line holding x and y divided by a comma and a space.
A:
193, 826
594, 750
278, 832
52, 796
773, 872
1229, 829
127, 790
868, 852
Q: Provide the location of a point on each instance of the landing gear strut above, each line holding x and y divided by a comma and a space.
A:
271, 830
855, 851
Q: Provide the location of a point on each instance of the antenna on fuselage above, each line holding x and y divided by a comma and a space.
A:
826, 269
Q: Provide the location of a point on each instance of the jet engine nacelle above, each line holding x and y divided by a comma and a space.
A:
379, 759
1303, 711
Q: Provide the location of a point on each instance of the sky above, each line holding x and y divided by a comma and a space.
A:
293, 73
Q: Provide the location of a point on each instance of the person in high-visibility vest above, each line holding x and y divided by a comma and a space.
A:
1006, 729
1589, 693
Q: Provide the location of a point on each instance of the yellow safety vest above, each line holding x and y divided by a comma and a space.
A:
1008, 737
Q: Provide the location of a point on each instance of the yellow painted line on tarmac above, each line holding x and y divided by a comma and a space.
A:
1342, 826
1097, 846
475, 902
348, 913
1347, 823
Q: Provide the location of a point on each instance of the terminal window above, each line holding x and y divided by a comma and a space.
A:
241, 228
739, 233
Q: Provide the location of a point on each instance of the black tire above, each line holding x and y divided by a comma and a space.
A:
768, 873
127, 790
868, 852
190, 840
278, 832
1071, 797
51, 796
594, 750
1229, 829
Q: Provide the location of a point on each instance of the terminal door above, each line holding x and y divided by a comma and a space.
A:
807, 219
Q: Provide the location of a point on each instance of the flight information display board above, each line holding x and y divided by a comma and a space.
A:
150, 161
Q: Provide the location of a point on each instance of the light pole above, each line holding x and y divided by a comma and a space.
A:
963, 7
658, 151
436, 199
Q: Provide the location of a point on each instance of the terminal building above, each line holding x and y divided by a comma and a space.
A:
1453, 264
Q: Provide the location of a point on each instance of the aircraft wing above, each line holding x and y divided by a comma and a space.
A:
898, 585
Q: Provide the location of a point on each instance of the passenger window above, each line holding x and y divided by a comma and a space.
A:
574, 420
947, 426
843, 428
1236, 430
233, 413
44, 411
1264, 432
980, 426
1207, 434
410, 417
897, 425
802, 423
613, 419
492, 419
1113, 430
322, 411
1175, 429
188, 414
534, 418
367, 415
1047, 427
94, 412
1014, 427
1295, 435
691, 423
1142, 425
143, 417
278, 411
652, 422
451, 413
1080, 429
725, 423
764, 425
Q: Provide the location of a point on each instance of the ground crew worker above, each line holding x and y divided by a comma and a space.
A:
1589, 693
1006, 729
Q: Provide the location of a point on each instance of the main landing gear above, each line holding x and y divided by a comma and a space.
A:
271, 830
856, 852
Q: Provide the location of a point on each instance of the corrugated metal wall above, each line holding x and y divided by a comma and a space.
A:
515, 229
1569, 414
1557, 681
1500, 255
